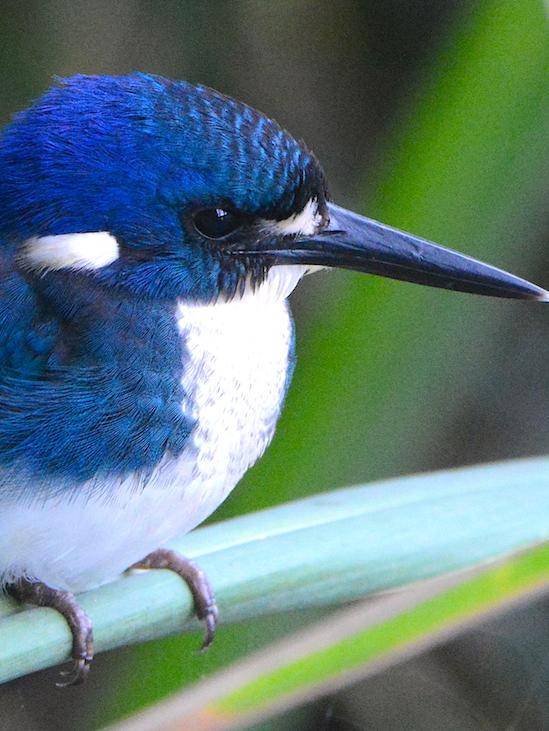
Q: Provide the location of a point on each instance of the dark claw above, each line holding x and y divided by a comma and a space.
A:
76, 675
82, 653
38, 593
199, 586
209, 617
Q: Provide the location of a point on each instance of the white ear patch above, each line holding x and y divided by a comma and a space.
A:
306, 222
70, 251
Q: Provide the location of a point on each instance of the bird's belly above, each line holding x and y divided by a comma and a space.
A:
234, 378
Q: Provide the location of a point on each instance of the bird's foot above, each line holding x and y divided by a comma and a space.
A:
38, 593
199, 586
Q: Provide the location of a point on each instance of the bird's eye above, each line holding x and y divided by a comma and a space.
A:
216, 223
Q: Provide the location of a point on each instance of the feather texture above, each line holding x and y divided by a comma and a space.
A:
77, 533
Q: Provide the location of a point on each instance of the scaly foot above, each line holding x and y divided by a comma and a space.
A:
41, 595
194, 577
38, 593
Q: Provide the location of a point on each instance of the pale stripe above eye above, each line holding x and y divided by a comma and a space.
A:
306, 222
79, 251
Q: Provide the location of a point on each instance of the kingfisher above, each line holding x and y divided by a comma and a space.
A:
150, 233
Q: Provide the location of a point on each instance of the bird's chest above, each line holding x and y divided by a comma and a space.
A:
235, 376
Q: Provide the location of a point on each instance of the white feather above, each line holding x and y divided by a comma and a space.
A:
306, 222
236, 373
84, 251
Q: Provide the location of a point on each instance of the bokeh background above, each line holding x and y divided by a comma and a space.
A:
432, 116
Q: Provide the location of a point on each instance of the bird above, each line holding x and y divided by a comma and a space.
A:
151, 231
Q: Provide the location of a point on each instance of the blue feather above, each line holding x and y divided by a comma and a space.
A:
91, 363
134, 394
91, 383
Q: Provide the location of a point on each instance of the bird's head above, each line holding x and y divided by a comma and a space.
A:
163, 189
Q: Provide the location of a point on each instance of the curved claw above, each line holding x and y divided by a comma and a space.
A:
199, 586
82, 653
42, 595
76, 675
210, 621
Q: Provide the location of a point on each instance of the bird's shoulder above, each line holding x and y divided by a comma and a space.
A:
28, 333
84, 395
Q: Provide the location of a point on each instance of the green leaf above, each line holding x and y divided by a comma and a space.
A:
323, 550
348, 646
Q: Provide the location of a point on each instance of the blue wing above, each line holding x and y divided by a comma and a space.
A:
88, 385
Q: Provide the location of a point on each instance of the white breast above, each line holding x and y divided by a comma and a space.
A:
235, 373
234, 379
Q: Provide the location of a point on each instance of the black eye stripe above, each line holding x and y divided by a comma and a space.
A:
217, 223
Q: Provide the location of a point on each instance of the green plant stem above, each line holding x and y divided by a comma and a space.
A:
319, 551
350, 645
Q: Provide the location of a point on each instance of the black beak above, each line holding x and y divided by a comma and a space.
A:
355, 242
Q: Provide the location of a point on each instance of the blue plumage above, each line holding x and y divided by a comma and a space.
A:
101, 388
130, 155
101, 391
150, 233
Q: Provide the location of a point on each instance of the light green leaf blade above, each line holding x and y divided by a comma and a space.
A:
322, 550
348, 646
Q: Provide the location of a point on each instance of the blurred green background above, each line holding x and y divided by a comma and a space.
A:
433, 117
